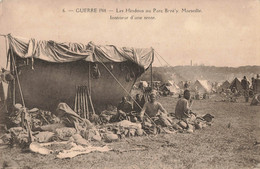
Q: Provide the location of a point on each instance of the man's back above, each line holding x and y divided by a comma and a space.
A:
245, 84
182, 107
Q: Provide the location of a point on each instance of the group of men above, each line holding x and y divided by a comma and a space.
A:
152, 109
246, 86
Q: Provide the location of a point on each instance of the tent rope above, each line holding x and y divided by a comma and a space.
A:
159, 60
125, 89
163, 59
6, 50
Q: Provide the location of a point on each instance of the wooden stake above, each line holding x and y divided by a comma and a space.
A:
81, 102
76, 99
78, 103
90, 100
12, 86
86, 101
89, 78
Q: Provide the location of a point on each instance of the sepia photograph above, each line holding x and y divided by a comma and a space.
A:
133, 84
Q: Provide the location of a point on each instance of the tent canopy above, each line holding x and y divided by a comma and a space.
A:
171, 88
236, 84
174, 88
225, 85
201, 86
68, 52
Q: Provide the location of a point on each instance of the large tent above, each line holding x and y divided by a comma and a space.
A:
49, 72
201, 86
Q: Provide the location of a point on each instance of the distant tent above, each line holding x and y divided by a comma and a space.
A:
176, 88
170, 82
236, 84
181, 85
170, 89
201, 86
225, 85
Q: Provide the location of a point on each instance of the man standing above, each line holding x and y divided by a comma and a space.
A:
253, 84
257, 84
245, 85
152, 109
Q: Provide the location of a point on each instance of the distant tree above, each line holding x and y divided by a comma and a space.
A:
157, 76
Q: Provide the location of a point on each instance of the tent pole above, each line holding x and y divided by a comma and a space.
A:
24, 122
86, 100
89, 78
12, 86
152, 76
126, 91
152, 71
17, 77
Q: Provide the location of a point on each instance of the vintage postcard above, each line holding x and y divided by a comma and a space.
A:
129, 84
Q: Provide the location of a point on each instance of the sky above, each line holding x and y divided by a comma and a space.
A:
223, 33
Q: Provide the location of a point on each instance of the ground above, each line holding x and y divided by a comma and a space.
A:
229, 143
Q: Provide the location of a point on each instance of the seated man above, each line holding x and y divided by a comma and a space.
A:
182, 109
124, 109
152, 108
139, 103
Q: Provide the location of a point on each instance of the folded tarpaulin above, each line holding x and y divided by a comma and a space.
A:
68, 52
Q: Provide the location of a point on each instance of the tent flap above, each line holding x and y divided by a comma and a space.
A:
68, 52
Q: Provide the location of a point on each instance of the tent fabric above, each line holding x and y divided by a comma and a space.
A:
181, 84
225, 85
68, 52
172, 88
3, 91
202, 86
236, 83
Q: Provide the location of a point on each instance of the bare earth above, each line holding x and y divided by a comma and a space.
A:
228, 143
